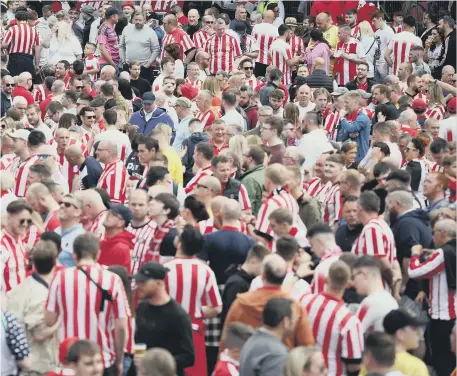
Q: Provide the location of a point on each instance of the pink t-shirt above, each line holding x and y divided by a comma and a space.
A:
318, 50
107, 36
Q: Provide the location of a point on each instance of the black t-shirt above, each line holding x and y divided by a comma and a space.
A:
141, 84
167, 326
89, 172
346, 237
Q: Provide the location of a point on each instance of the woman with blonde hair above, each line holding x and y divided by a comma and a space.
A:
212, 85
64, 44
8, 123
239, 145
436, 102
367, 38
305, 361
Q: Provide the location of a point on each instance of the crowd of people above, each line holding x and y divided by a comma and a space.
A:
228, 190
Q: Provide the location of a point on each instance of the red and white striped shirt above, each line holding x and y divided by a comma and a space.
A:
374, 308
192, 283
14, 260
6, 161
349, 68
21, 175
437, 112
331, 122
264, 34
22, 38
296, 45
280, 198
207, 227
114, 181
442, 299
180, 37
280, 52
39, 93
143, 237
400, 46
52, 221
377, 240
355, 32
253, 82
32, 236
321, 271
197, 83
200, 38
68, 171
336, 329
201, 173
77, 301
332, 205
226, 366
207, 118
315, 188
397, 29
223, 51
97, 227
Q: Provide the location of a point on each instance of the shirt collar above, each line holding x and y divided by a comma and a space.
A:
72, 229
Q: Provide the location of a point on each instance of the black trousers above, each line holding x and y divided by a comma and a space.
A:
260, 69
19, 63
211, 358
443, 359
109, 371
147, 73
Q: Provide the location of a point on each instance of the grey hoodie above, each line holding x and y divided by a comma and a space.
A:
263, 355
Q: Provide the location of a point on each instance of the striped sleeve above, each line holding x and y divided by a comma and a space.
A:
120, 302
318, 283
212, 295
288, 52
365, 317
243, 198
187, 42
352, 339
236, 47
9, 35
432, 266
51, 304
263, 224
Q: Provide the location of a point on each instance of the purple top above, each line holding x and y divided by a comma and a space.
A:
319, 49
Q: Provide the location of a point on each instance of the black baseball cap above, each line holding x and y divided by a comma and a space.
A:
151, 270
111, 12
123, 212
400, 318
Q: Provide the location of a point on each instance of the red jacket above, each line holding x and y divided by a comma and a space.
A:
117, 250
252, 112
20, 91
335, 8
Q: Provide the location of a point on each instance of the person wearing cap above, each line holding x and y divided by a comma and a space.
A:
400, 42
116, 247
27, 301
127, 9
63, 366
139, 43
88, 15
183, 108
439, 268
150, 115
405, 327
107, 39
448, 126
160, 320
420, 107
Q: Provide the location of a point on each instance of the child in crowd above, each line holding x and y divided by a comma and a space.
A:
91, 61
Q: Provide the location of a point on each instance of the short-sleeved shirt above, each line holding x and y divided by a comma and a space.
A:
108, 37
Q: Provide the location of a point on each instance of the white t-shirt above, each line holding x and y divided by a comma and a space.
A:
179, 69
383, 38
374, 308
304, 110
313, 144
233, 117
46, 130
448, 129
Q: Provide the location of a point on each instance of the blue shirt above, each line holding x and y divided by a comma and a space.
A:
182, 132
68, 237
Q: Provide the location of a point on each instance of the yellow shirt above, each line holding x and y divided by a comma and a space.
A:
174, 165
331, 36
407, 364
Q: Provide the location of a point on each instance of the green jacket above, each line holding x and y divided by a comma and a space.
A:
309, 210
254, 181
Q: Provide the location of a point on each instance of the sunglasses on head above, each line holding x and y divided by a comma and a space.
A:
25, 221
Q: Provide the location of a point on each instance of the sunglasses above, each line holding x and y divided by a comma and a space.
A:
24, 221
248, 68
409, 149
44, 156
79, 87
209, 22
10, 85
67, 204
90, 117
123, 130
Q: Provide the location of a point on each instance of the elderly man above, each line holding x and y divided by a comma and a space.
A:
41, 200
177, 35
6, 94
24, 82
193, 25
439, 268
139, 43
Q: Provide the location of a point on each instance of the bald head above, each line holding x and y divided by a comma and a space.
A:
319, 63
23, 77
38, 189
171, 18
156, 189
212, 183
231, 210
268, 16
201, 56
274, 269
62, 132
107, 151
73, 151
217, 203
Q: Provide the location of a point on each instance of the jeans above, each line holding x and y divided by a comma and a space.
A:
128, 360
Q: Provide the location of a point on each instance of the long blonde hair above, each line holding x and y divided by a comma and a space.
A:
365, 29
436, 95
64, 32
212, 85
298, 360
239, 145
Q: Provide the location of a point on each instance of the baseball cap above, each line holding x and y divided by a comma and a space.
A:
148, 98
400, 318
128, 4
340, 91
123, 212
19, 133
88, 10
183, 102
111, 12
363, 94
188, 91
291, 21
64, 347
452, 105
151, 270
419, 105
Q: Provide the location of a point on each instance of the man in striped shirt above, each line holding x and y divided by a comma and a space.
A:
179, 36
223, 48
202, 35
13, 252
192, 284
23, 44
94, 210
334, 165
141, 226
337, 330
114, 176
203, 154
91, 303
41, 200
70, 172
439, 268
265, 33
